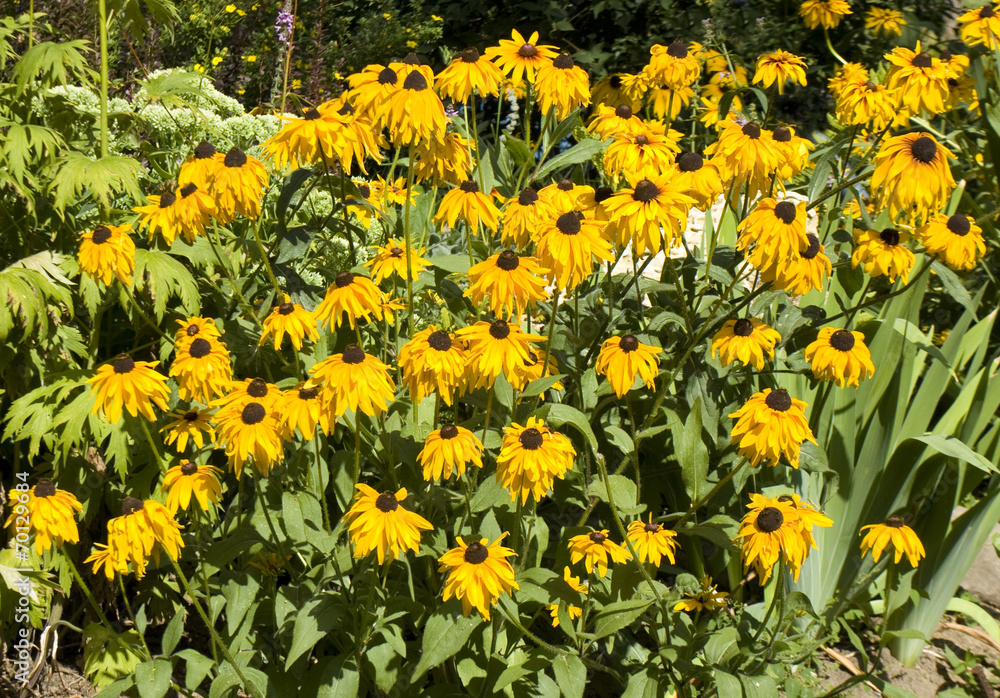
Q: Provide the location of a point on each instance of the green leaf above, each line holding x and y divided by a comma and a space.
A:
333, 677
165, 277
444, 635
571, 675
52, 63
317, 617
558, 414
581, 152
978, 614
722, 645
622, 489
198, 666
952, 447
540, 385
953, 285
762, 686
101, 178
452, 263
152, 679
618, 615
692, 453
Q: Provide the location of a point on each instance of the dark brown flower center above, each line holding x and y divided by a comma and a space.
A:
598, 537
778, 400
386, 502
628, 343
645, 191
782, 134
922, 60
439, 340
602, 193
984, 13
353, 354
396, 252
871, 86
167, 199
308, 393
751, 131
346, 110
415, 81
785, 212
642, 140
531, 359
690, 162
527, 197
615, 81
499, 329
568, 223
188, 189
743, 327
257, 388
286, 309
890, 236
364, 190
235, 158
102, 234
44, 488
130, 505
652, 527
842, 340
527, 51
945, 56
563, 62
204, 150
469, 186
677, 49
476, 553
508, 260
411, 59
531, 439
192, 330
959, 224
770, 519
343, 279
387, 76
253, 413
188, 468
813, 249
786, 498
894, 521
191, 416
924, 149
469, 55
623, 111
123, 364
200, 348
448, 431
310, 114
565, 185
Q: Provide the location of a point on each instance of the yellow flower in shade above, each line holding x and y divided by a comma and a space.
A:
393, 192
238, 185
667, 102
746, 154
291, 319
471, 205
468, 72
369, 196
354, 381
771, 531
775, 233
300, 408
200, 167
391, 259
698, 178
711, 116
450, 448
883, 254
840, 356
308, 140
825, 13
708, 599
415, 113
846, 75
955, 240
531, 458
866, 104
917, 80
647, 152
902, 537
623, 359
495, 347
523, 216
885, 22
194, 327
655, 208
576, 585
962, 90
532, 369
809, 271
129, 383
356, 138
160, 216
771, 424
50, 514
611, 91
106, 558
478, 574
447, 159
352, 295
808, 517
371, 89
194, 208
609, 121
143, 530
596, 550
520, 59
107, 252
912, 175
510, 283
569, 246
188, 425
379, 522
981, 26
652, 541
244, 392
190, 479
433, 361
562, 85
793, 152
778, 67
252, 431
673, 66
565, 195
202, 369
747, 340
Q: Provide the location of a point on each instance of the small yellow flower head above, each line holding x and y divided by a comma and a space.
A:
354, 381
780, 67
825, 13
352, 295
917, 80
478, 574
771, 531
885, 22
562, 85
981, 26
468, 72
495, 347
596, 550
652, 214
468, 203
840, 356
769, 425
131, 384
902, 537
955, 240
652, 541
520, 59
447, 449
576, 585
291, 319
252, 431
570, 246
747, 340
238, 185
708, 599
883, 253
698, 178
202, 369
623, 359
510, 283
531, 458
143, 530
774, 233
190, 479
912, 175
674, 66
188, 425
378, 522
50, 513
434, 361
106, 253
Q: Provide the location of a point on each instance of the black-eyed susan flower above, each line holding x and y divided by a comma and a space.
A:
129, 383
708, 598
470, 204
623, 359
746, 154
142, 530
191, 328
301, 409
391, 259
646, 152
774, 233
352, 295
238, 185
194, 208
569, 246
667, 102
187, 480
307, 140
981, 26
840, 356
370, 90
251, 432
698, 178
510, 283
107, 252
239, 393
449, 449
433, 361
355, 141
611, 91
777, 68
291, 319
609, 121
772, 423
188, 425
532, 369
51, 515
808, 518
955, 240
478, 574
468, 72
447, 159
576, 585
846, 75
917, 80
809, 271
769, 532
884, 22
202, 369
520, 59
793, 152
108, 560
903, 538
379, 522
494, 348
673, 65
565, 194
523, 216
531, 458
652, 541
562, 85
199, 168
866, 104
654, 209
824, 13
160, 216
354, 381
883, 253
597, 550
912, 175
415, 114
747, 340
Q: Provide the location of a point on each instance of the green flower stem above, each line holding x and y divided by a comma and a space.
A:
833, 51
486, 419
198, 534
711, 493
152, 445
347, 223
86, 592
270, 524
357, 449
890, 581
102, 26
548, 345
128, 610
320, 488
263, 259
247, 308
127, 293
409, 236
635, 451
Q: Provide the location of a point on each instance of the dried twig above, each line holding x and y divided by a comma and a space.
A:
849, 665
